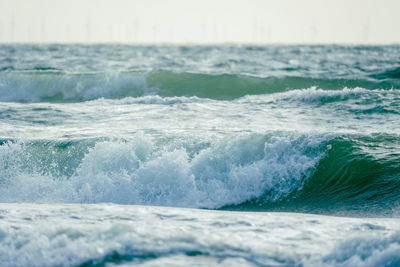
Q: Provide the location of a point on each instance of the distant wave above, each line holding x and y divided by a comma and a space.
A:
47, 85
277, 171
393, 73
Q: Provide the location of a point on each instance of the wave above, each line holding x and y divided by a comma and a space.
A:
144, 172
393, 73
355, 176
57, 86
278, 171
354, 100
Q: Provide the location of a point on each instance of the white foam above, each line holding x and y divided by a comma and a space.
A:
315, 94
149, 100
53, 234
309, 95
142, 172
369, 251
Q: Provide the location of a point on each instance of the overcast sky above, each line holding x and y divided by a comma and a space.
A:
205, 21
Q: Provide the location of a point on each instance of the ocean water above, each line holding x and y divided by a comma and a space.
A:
199, 155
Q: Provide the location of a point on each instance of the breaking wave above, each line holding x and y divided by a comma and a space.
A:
58, 86
277, 171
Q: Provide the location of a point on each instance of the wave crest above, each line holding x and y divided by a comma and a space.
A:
277, 171
140, 172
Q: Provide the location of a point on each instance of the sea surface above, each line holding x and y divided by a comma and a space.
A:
199, 155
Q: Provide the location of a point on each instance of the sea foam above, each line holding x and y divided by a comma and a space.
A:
141, 172
55, 234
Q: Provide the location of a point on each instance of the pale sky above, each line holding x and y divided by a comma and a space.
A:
205, 21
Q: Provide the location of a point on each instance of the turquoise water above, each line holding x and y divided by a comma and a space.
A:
299, 129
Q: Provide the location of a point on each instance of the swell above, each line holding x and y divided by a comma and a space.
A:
57, 86
277, 171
